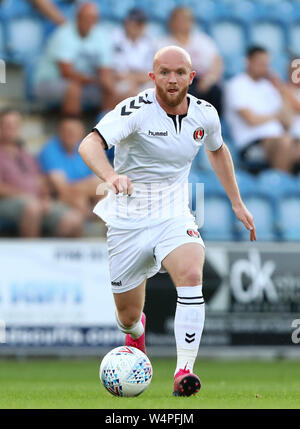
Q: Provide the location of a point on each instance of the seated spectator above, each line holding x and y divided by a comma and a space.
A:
70, 177
25, 201
76, 65
133, 52
292, 89
206, 59
259, 116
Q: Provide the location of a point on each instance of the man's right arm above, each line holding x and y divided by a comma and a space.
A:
91, 150
67, 71
253, 119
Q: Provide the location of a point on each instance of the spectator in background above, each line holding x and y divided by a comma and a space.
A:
206, 59
259, 116
71, 179
76, 65
25, 200
292, 90
133, 52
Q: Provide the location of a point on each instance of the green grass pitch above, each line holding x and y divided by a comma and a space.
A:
75, 384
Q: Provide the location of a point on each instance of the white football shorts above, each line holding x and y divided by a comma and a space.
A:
137, 254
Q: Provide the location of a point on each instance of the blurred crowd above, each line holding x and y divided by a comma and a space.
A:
84, 65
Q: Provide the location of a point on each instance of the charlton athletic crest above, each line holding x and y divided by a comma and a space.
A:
193, 233
198, 134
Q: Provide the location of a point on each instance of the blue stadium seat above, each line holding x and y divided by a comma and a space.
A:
282, 11
294, 37
247, 183
2, 45
262, 208
156, 29
201, 161
25, 38
270, 34
234, 64
217, 224
16, 8
67, 8
243, 10
280, 64
206, 11
288, 217
230, 37
160, 10
276, 183
118, 9
212, 185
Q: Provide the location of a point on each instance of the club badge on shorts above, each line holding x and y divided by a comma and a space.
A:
193, 233
198, 134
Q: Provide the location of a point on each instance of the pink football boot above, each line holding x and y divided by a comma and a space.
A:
186, 383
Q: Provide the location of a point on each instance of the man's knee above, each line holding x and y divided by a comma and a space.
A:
32, 208
129, 316
71, 224
189, 276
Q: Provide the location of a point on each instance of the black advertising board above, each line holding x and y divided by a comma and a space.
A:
252, 296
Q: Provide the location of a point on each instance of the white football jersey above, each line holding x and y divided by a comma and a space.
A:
155, 150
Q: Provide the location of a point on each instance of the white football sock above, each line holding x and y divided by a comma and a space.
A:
188, 325
135, 331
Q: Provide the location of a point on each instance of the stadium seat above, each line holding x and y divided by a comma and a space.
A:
217, 224
25, 38
294, 37
247, 183
118, 9
2, 45
16, 8
212, 185
288, 217
280, 64
159, 10
201, 161
234, 64
230, 37
156, 29
276, 183
282, 11
243, 10
262, 209
206, 12
270, 34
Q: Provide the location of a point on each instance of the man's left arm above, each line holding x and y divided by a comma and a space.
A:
222, 164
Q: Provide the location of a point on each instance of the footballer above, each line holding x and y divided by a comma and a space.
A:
156, 136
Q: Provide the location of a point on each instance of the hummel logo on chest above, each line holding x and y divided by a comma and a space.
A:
157, 133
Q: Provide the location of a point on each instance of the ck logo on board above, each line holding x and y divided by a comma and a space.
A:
198, 134
193, 233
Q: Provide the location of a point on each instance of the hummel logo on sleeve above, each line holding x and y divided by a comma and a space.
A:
117, 283
157, 133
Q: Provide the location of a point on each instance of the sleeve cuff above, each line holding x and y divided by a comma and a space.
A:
105, 142
214, 150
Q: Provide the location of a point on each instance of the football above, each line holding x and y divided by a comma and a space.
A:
125, 371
